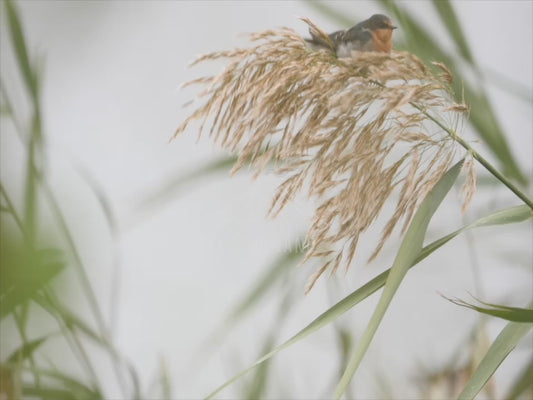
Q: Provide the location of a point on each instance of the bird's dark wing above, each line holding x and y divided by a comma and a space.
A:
338, 36
357, 34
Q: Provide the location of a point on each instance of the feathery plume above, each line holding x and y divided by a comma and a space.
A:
350, 132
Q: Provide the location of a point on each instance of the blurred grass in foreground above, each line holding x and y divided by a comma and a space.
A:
30, 265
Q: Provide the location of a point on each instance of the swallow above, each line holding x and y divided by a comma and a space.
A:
373, 34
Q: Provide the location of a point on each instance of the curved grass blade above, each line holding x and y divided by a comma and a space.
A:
71, 320
421, 42
23, 277
26, 350
19, 45
164, 380
48, 393
482, 116
498, 351
407, 254
77, 389
258, 385
506, 216
450, 20
508, 84
330, 12
514, 314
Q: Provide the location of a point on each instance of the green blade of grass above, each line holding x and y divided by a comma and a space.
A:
24, 276
450, 20
422, 43
258, 385
407, 255
77, 389
71, 321
34, 148
19, 45
164, 380
482, 115
331, 12
506, 216
498, 351
48, 393
26, 350
52, 393
515, 314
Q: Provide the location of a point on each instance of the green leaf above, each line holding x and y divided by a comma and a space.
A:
515, 314
498, 351
258, 384
164, 380
22, 276
52, 393
47, 393
70, 319
450, 20
19, 45
26, 350
482, 115
422, 43
506, 216
406, 257
331, 12
64, 387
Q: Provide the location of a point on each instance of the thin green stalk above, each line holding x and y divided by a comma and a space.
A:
84, 278
65, 231
71, 338
11, 209
478, 157
474, 153
19, 319
63, 227
22, 332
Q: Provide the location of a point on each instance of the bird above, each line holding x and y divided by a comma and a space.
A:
372, 34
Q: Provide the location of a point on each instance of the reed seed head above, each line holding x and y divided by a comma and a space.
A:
350, 133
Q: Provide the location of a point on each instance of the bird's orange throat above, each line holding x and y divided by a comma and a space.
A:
382, 39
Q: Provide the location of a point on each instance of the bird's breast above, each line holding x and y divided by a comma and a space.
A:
382, 40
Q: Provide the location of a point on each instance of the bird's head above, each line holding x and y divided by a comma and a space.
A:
378, 22
380, 27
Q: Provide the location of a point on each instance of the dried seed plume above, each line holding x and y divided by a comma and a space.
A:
343, 131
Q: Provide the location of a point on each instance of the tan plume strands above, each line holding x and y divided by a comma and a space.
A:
343, 130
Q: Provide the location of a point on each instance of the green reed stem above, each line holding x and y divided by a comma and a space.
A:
498, 175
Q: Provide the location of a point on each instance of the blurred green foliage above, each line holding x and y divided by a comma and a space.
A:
28, 269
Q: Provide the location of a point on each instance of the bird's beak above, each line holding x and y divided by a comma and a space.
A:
393, 27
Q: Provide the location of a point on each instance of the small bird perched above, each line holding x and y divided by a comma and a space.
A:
373, 34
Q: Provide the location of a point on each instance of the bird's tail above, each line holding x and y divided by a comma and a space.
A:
319, 39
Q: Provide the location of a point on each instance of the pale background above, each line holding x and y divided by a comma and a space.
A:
111, 102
